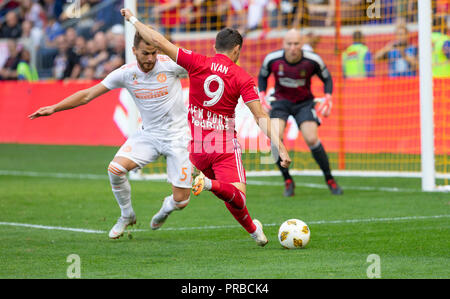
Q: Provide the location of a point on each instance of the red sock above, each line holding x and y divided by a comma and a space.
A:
228, 193
243, 217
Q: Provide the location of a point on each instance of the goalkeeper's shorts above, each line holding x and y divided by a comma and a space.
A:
301, 111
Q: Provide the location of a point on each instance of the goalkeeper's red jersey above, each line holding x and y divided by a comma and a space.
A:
215, 86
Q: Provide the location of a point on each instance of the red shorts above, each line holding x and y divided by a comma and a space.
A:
226, 167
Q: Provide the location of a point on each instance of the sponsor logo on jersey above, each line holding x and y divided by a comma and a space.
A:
147, 94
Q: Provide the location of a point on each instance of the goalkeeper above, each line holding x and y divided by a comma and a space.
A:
292, 69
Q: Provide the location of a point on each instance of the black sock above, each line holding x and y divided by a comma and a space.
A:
319, 154
284, 171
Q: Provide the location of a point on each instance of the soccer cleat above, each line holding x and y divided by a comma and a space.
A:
160, 217
259, 236
334, 187
199, 184
289, 188
122, 223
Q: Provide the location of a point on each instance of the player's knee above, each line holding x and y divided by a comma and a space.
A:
312, 141
117, 173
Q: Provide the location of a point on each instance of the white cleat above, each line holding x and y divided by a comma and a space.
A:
122, 223
160, 217
259, 236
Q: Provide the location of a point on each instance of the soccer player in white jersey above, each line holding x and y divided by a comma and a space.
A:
153, 81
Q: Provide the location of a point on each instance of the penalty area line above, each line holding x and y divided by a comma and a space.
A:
312, 222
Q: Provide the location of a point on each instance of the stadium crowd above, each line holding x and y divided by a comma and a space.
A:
64, 46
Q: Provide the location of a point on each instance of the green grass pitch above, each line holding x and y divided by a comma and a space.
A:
409, 230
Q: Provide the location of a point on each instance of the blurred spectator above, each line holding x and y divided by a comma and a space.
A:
52, 30
310, 41
25, 70
32, 11
88, 73
166, 14
75, 10
88, 53
237, 18
441, 47
401, 55
6, 7
71, 36
34, 34
108, 16
66, 63
101, 56
357, 60
11, 28
321, 12
9, 69
295, 13
53, 8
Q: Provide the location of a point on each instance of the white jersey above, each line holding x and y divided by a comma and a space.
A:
158, 95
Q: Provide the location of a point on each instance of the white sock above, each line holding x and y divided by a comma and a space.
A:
208, 184
121, 188
170, 205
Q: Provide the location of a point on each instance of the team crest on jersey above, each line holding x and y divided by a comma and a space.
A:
302, 73
161, 77
280, 70
134, 79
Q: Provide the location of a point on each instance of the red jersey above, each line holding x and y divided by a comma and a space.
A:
215, 86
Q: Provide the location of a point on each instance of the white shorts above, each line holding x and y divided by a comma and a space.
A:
143, 148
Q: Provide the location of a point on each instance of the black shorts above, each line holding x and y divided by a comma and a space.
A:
302, 111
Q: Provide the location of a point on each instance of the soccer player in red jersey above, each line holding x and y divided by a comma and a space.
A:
216, 84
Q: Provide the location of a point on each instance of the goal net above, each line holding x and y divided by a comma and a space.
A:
371, 49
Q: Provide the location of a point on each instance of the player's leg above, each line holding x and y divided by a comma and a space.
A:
309, 132
136, 152
179, 174
279, 125
279, 115
227, 182
117, 173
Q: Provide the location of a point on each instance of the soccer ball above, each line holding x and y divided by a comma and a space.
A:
294, 233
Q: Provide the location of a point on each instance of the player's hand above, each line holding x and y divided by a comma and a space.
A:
44, 111
126, 13
285, 159
262, 98
325, 105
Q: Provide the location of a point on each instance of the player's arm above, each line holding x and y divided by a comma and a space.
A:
324, 75
151, 36
263, 76
79, 98
263, 121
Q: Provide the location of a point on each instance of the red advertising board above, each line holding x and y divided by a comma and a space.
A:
369, 116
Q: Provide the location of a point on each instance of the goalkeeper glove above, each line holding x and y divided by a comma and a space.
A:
325, 105
262, 98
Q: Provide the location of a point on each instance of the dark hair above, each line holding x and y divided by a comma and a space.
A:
227, 39
138, 38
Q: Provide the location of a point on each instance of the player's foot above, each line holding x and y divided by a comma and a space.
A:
289, 187
258, 235
122, 223
200, 184
334, 187
160, 217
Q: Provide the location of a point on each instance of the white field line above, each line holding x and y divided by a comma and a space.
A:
162, 177
317, 222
